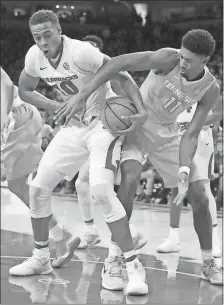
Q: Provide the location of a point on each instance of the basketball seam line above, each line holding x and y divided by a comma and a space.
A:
125, 107
117, 116
107, 121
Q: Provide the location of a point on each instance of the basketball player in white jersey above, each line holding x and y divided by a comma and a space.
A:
177, 80
204, 158
21, 152
68, 65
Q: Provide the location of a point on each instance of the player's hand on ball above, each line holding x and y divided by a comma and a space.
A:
183, 185
137, 121
71, 108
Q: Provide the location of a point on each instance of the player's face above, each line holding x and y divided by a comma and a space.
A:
47, 37
191, 64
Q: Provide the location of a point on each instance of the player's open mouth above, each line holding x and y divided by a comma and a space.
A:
45, 52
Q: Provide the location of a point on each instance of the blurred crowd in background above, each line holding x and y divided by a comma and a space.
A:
119, 37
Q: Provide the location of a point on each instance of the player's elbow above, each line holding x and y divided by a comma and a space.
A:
120, 63
126, 80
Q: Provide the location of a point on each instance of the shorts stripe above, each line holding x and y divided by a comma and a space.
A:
109, 159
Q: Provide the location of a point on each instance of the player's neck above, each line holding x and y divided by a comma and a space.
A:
54, 62
197, 77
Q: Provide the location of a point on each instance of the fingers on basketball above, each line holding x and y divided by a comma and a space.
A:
113, 111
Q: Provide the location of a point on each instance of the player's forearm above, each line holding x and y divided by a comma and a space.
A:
104, 74
188, 147
130, 87
38, 100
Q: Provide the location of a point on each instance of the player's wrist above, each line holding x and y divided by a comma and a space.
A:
84, 94
184, 169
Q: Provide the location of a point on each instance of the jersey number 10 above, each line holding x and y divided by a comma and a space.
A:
67, 87
172, 104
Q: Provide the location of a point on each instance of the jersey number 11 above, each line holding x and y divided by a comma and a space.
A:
172, 104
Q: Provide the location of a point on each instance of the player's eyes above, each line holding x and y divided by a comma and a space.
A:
47, 35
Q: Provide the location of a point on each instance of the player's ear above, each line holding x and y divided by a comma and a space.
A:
59, 29
206, 60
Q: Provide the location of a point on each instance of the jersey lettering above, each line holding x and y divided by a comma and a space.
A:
67, 87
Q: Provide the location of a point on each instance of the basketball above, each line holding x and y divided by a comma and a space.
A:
113, 110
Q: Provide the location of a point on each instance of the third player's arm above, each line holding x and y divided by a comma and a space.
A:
189, 140
7, 94
27, 86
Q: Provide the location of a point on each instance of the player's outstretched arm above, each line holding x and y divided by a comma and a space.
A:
166, 58
7, 93
131, 89
100, 60
189, 140
27, 93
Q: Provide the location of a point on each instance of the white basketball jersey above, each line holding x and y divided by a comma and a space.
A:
77, 63
166, 96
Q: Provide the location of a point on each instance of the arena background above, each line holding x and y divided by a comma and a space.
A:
124, 27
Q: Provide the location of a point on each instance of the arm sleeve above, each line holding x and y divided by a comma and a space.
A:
30, 66
88, 58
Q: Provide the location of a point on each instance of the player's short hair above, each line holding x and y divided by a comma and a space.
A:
42, 16
93, 38
199, 41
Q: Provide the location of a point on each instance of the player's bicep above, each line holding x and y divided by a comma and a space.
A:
27, 82
141, 61
204, 106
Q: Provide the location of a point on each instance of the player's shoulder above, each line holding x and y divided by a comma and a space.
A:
215, 88
76, 45
33, 50
212, 94
210, 78
34, 54
81, 50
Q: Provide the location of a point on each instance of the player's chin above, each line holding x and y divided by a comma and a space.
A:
183, 72
47, 54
